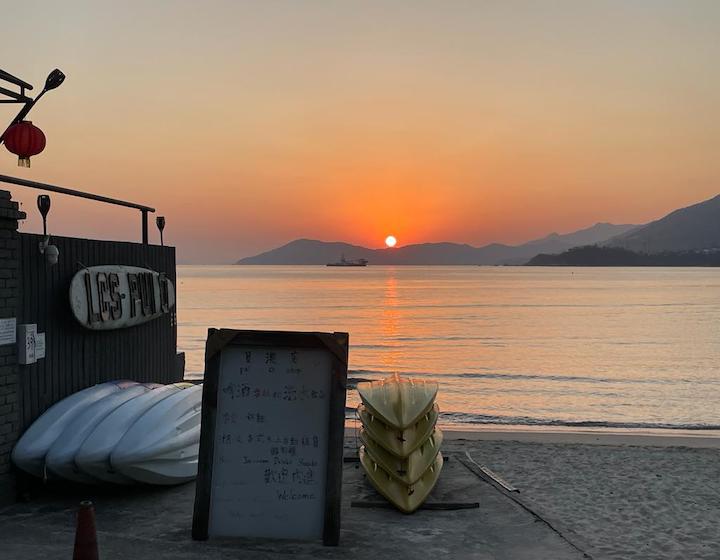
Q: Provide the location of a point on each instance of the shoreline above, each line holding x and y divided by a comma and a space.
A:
546, 433
699, 439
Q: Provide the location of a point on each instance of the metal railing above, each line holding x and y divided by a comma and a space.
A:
72, 192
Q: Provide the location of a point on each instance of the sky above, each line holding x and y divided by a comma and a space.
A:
250, 124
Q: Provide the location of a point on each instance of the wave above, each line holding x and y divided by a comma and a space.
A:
531, 376
345, 305
459, 418
467, 418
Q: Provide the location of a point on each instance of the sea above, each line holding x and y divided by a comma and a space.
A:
517, 346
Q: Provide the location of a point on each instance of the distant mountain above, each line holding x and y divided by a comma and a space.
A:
594, 255
595, 234
309, 251
693, 228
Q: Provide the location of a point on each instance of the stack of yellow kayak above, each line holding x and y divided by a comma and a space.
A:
400, 449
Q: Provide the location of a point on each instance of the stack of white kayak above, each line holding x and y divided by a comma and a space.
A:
120, 432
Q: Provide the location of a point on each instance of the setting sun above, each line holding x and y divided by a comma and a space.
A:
390, 241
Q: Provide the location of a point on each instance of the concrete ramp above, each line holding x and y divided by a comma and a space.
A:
155, 524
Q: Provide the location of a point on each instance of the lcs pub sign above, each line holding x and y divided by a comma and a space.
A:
114, 296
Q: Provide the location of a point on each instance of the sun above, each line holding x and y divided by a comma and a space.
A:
390, 241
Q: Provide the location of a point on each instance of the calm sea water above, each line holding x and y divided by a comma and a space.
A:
511, 345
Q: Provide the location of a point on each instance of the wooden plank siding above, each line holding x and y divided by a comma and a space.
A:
77, 357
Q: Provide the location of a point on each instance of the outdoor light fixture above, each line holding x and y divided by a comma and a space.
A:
54, 79
51, 252
160, 223
43, 204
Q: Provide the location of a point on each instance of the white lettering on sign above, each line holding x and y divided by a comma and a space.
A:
271, 443
8, 331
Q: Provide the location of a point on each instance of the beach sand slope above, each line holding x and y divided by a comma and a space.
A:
625, 502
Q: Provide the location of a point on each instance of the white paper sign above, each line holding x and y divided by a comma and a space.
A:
26, 344
271, 442
39, 345
8, 331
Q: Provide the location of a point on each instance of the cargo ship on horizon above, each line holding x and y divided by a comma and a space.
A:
344, 262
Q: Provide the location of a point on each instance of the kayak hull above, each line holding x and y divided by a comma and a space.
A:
400, 443
412, 467
407, 498
93, 457
60, 460
162, 446
120, 432
400, 451
32, 447
400, 402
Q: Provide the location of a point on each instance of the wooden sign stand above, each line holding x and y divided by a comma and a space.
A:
287, 381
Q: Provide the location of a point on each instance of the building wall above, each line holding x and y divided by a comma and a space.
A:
9, 300
36, 292
77, 357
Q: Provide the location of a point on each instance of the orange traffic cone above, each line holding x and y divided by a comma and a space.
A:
86, 547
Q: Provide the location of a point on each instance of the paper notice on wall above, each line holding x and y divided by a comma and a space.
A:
39, 345
26, 345
8, 331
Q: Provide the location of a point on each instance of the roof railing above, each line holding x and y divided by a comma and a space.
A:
80, 194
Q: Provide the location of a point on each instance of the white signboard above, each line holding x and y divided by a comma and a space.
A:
271, 445
8, 331
114, 296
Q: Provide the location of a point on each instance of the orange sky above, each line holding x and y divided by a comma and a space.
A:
249, 124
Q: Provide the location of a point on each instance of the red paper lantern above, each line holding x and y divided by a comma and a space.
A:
24, 139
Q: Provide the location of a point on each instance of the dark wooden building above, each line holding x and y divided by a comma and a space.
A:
34, 292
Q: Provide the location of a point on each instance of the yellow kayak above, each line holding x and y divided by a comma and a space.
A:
406, 498
399, 442
410, 469
398, 401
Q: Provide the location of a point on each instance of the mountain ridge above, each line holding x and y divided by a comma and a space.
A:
306, 251
693, 227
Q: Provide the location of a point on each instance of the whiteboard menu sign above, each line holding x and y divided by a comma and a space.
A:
272, 435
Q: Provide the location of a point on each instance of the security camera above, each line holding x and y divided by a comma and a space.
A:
51, 254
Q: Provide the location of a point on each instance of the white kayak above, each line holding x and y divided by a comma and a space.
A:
60, 460
93, 457
30, 451
161, 447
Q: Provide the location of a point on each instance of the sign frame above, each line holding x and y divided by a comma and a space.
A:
337, 344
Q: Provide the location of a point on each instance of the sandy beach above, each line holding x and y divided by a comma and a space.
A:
615, 495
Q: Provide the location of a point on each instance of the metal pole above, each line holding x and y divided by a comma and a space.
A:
72, 192
144, 226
